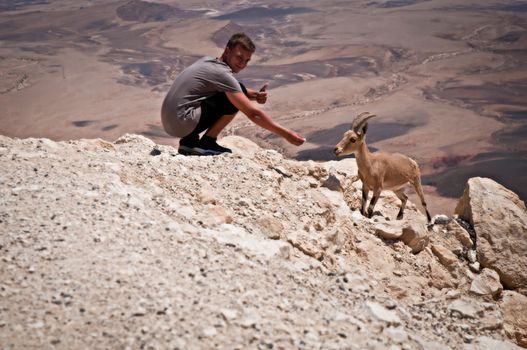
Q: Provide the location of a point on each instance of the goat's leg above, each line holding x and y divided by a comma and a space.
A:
419, 190
365, 191
403, 197
374, 198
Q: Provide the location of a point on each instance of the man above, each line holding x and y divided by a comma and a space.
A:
205, 97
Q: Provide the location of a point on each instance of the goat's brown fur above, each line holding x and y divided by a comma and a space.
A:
380, 171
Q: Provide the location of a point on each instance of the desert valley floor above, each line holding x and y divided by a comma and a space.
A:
447, 79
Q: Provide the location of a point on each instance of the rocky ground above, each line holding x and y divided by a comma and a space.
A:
130, 245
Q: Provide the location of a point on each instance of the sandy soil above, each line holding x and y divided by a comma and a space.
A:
447, 81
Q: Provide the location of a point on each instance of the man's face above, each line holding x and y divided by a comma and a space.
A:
236, 58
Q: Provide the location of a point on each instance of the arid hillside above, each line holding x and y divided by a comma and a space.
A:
128, 244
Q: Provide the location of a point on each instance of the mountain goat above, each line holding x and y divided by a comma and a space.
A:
379, 171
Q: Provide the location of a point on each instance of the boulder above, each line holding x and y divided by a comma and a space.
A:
240, 145
487, 283
475, 267
458, 231
415, 235
514, 308
499, 219
388, 230
445, 256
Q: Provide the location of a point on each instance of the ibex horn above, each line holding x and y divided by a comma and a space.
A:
360, 120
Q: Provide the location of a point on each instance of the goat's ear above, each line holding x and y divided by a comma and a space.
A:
365, 129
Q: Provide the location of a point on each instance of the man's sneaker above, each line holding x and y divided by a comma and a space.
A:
208, 146
187, 146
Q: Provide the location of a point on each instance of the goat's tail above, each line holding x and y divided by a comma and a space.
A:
419, 189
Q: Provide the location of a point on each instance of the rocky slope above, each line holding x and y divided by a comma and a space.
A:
130, 245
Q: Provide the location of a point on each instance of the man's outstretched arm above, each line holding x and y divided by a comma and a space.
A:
261, 118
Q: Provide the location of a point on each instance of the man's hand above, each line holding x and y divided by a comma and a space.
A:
261, 96
294, 138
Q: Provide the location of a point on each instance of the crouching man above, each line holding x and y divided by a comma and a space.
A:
206, 96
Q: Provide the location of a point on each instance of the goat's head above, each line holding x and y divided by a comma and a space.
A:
354, 137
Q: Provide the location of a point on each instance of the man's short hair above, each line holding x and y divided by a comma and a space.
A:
243, 40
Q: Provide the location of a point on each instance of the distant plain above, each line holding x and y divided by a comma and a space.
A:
447, 79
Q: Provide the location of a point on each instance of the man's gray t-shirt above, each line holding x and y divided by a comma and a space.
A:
181, 108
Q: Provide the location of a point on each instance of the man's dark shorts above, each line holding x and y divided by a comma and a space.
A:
213, 108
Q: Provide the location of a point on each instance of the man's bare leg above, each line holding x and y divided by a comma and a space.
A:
219, 125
